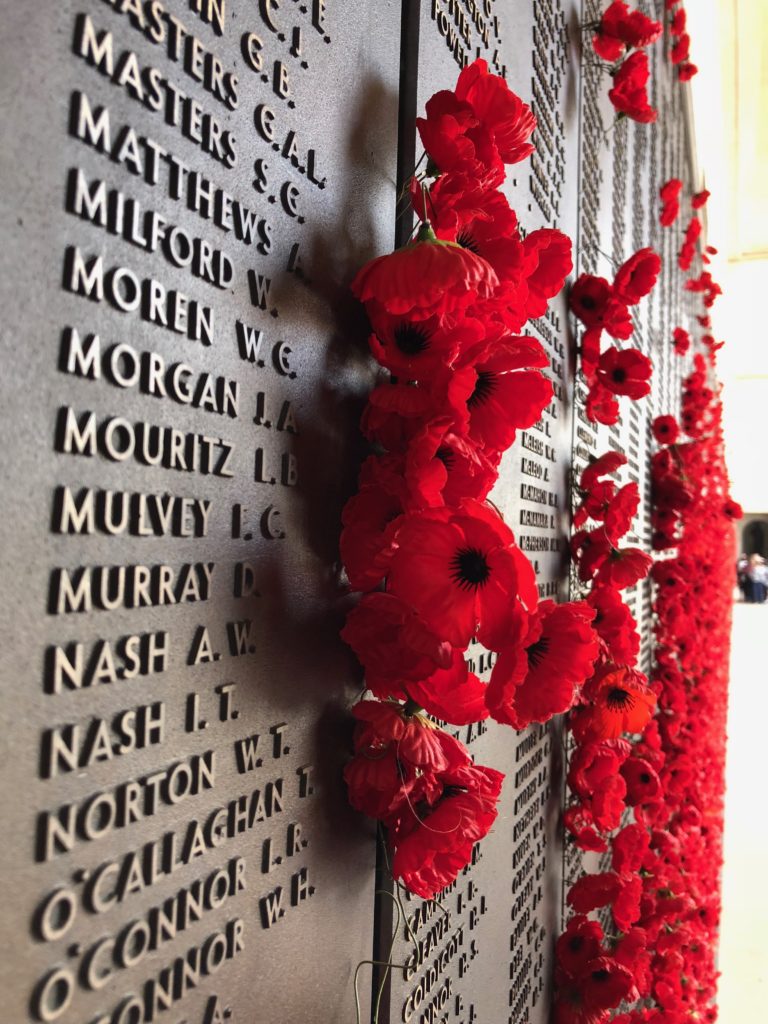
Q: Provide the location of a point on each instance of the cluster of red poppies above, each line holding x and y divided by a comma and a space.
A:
655, 803
619, 30
606, 773
708, 288
680, 52
663, 884
602, 306
438, 565
692, 518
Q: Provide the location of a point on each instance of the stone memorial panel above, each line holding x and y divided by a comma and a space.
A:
188, 189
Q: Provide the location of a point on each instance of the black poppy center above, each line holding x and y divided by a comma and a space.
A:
466, 241
645, 777
446, 455
601, 975
484, 388
618, 375
619, 700
411, 340
470, 569
588, 302
537, 652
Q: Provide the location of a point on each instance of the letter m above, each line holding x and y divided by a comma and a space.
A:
97, 50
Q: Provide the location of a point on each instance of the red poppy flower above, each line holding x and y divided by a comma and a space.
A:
578, 944
453, 694
444, 467
395, 413
677, 25
670, 189
549, 260
592, 300
590, 352
699, 199
601, 405
686, 71
393, 644
625, 373
505, 117
396, 757
480, 221
615, 625
628, 94
621, 511
604, 465
681, 341
592, 891
478, 128
498, 391
593, 763
537, 675
665, 429
371, 519
415, 349
626, 906
630, 846
623, 567
462, 571
681, 50
607, 803
621, 702
636, 277
732, 509
433, 841
456, 142
577, 819
605, 983
590, 549
425, 278
621, 28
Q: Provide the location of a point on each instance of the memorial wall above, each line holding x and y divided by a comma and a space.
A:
190, 187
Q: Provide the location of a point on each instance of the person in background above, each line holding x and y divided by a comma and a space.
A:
757, 580
741, 574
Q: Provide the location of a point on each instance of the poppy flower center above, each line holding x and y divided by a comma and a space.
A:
601, 975
484, 388
645, 777
619, 700
618, 375
588, 302
536, 652
411, 340
470, 568
466, 241
446, 455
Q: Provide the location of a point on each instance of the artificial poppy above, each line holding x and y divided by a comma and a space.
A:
425, 278
502, 390
615, 625
625, 372
628, 94
636, 276
592, 300
433, 840
665, 429
537, 674
461, 571
621, 702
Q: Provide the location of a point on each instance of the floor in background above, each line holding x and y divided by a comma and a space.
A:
743, 996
